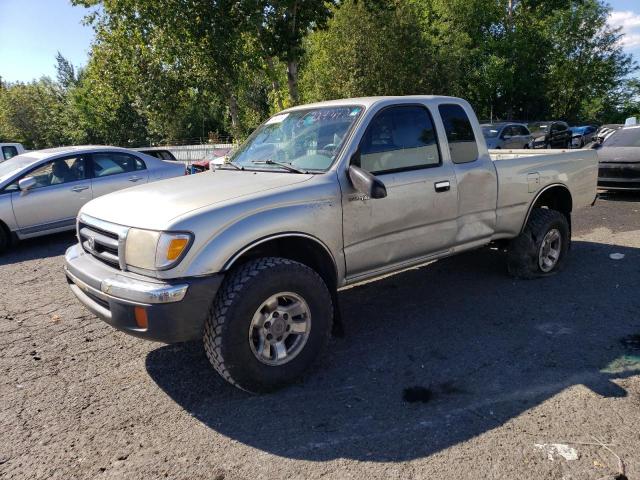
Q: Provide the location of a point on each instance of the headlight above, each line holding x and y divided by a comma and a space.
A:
153, 250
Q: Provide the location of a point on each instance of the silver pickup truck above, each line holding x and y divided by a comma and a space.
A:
250, 257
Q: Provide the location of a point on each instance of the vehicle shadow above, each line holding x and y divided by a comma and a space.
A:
483, 347
39, 247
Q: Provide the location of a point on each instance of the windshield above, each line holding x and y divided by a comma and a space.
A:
14, 164
625, 137
490, 131
305, 139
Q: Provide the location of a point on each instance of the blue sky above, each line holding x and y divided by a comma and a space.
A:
32, 31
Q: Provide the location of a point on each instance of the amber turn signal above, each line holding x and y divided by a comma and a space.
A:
176, 246
141, 317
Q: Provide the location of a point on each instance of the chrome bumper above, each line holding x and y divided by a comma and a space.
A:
99, 280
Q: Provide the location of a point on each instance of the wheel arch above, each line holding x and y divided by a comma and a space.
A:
556, 197
297, 246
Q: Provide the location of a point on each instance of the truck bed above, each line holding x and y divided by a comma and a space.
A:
523, 174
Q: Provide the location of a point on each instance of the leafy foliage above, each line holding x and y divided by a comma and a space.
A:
185, 70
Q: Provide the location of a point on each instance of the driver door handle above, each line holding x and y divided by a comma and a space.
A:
443, 186
135, 179
79, 188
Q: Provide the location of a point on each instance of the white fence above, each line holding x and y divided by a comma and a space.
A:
194, 153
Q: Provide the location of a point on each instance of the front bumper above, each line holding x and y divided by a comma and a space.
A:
619, 176
174, 311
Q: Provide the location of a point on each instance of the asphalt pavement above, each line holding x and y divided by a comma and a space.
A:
452, 370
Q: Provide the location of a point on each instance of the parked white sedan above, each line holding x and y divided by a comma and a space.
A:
41, 192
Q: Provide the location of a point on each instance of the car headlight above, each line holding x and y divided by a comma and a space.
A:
151, 250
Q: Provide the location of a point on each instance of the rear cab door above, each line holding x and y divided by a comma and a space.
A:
116, 170
475, 174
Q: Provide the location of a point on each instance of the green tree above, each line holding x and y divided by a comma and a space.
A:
368, 49
281, 27
32, 113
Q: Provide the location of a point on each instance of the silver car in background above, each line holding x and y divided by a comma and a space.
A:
506, 135
41, 192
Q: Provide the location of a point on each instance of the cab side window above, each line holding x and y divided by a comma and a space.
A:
400, 138
462, 141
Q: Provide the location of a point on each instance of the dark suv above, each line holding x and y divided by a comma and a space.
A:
552, 134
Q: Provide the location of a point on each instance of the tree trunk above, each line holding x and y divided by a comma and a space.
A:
292, 79
235, 114
275, 84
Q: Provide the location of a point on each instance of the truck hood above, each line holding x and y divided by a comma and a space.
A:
154, 205
619, 155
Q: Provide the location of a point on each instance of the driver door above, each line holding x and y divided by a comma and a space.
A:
417, 218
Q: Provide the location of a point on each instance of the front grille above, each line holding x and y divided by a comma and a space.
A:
631, 185
103, 240
629, 171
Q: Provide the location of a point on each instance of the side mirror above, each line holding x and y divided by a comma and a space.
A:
366, 183
26, 183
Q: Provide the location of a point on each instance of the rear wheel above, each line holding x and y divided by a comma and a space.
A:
541, 249
268, 323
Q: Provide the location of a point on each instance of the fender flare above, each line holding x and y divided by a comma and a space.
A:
229, 263
537, 197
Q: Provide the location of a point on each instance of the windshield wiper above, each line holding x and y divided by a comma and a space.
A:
286, 166
234, 165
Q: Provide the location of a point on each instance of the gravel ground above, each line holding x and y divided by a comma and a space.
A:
498, 371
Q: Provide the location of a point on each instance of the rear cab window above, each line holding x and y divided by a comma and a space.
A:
462, 141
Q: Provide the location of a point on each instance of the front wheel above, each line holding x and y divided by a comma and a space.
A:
268, 323
541, 249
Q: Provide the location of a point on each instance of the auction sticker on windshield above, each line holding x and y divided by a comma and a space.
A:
277, 119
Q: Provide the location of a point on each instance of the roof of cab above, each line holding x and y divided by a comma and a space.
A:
370, 101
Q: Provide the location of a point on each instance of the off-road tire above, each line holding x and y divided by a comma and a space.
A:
226, 332
522, 252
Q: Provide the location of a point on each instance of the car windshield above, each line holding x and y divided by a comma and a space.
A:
625, 137
489, 131
14, 164
304, 139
